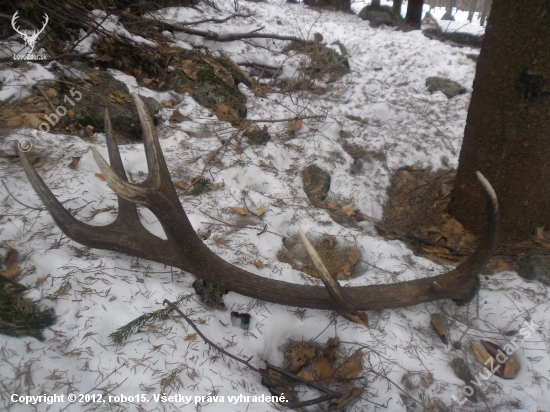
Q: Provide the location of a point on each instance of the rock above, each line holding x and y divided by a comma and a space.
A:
213, 82
255, 136
316, 183
448, 87
379, 15
104, 91
536, 267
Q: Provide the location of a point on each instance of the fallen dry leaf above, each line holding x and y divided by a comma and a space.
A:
297, 125
330, 348
342, 402
439, 326
11, 273
481, 353
74, 162
299, 356
240, 210
260, 210
11, 257
191, 336
346, 269
348, 209
354, 256
100, 176
353, 366
331, 240
323, 368
258, 264
331, 205
41, 280
181, 184
306, 375
511, 369
358, 317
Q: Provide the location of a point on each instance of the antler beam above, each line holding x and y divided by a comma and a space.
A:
185, 250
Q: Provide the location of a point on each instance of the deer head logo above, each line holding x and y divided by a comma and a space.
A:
30, 39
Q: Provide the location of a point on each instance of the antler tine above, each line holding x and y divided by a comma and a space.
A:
333, 287
13, 20
127, 211
158, 171
115, 236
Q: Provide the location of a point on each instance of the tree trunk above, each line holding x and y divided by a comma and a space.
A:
414, 13
507, 135
375, 3
472, 10
449, 10
397, 6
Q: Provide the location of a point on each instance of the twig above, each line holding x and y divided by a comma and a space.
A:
18, 201
289, 119
212, 156
41, 90
213, 19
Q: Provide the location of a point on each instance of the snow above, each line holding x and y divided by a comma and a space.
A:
94, 292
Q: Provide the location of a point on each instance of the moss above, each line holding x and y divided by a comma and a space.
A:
18, 316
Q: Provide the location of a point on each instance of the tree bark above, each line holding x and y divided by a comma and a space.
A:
375, 3
414, 13
449, 10
397, 4
507, 135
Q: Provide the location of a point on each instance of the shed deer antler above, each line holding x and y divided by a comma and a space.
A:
185, 250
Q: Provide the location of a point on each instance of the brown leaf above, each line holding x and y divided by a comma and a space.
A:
11, 257
353, 366
11, 273
299, 355
258, 264
511, 369
100, 176
354, 256
227, 113
240, 210
41, 280
348, 209
297, 125
260, 211
358, 317
181, 184
346, 269
330, 348
331, 205
191, 336
238, 150
306, 375
481, 354
264, 129
439, 326
331, 240
323, 368
347, 398
74, 162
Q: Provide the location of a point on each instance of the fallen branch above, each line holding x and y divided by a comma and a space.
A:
210, 35
329, 394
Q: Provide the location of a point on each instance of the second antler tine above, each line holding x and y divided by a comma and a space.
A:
132, 192
155, 159
112, 147
332, 285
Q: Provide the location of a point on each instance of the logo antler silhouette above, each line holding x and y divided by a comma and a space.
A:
30, 39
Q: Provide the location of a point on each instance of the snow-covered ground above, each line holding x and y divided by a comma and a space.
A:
94, 292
